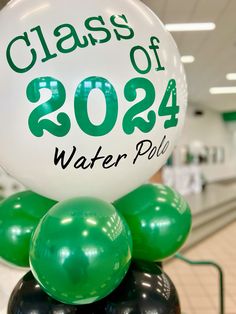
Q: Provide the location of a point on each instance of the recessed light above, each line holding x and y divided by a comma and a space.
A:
223, 90
187, 59
231, 76
190, 27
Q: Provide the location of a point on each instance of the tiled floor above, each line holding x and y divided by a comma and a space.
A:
198, 285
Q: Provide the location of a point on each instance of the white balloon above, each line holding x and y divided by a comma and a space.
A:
93, 96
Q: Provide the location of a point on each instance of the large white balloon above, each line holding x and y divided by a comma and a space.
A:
93, 95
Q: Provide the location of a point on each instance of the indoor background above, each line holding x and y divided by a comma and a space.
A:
203, 165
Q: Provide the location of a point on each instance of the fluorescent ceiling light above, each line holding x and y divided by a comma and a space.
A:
223, 90
187, 59
231, 76
189, 27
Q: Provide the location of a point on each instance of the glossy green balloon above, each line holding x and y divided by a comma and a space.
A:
159, 219
81, 250
19, 217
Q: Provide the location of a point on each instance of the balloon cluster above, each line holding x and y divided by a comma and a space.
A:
94, 98
80, 251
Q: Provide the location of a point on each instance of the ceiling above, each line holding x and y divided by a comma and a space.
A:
214, 51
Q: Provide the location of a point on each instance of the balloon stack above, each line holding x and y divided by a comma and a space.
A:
94, 97
80, 251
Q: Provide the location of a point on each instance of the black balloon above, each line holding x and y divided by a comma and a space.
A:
29, 298
145, 289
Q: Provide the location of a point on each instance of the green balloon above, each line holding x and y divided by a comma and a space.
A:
19, 217
159, 219
81, 250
